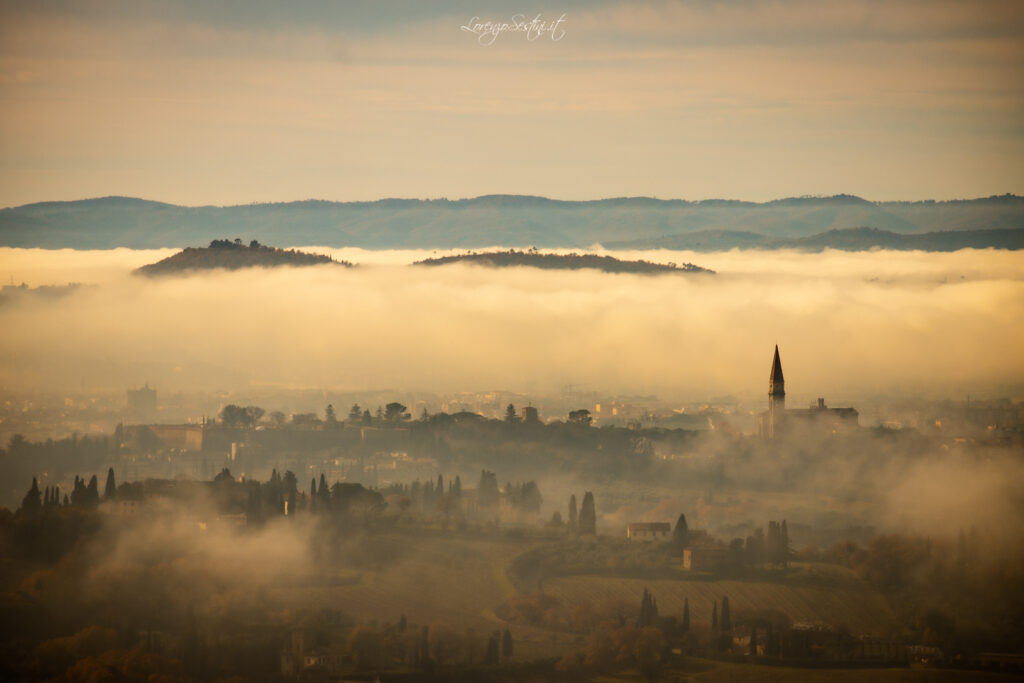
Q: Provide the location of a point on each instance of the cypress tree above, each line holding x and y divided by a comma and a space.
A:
753, 641
572, 512
681, 534
33, 501
726, 617
588, 515
686, 615
324, 492
55, 498
506, 643
491, 658
110, 490
785, 545
93, 492
714, 617
312, 495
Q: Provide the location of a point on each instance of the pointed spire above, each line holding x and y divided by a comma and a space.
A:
776, 375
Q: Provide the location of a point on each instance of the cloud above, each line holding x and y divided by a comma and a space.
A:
903, 323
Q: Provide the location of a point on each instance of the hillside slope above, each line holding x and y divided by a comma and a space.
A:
495, 220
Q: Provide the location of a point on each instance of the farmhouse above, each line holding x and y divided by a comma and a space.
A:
706, 559
648, 531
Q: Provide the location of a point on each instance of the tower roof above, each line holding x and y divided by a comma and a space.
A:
776, 375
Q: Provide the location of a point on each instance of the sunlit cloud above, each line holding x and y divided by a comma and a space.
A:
849, 325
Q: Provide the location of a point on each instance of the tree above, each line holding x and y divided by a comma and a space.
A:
714, 617
784, 542
32, 502
278, 418
254, 414
580, 417
648, 611
681, 534
588, 515
395, 412
233, 416
685, 626
491, 656
237, 416
506, 644
329, 416
224, 475
355, 413
93, 492
510, 414
726, 616
324, 492
110, 490
649, 652
572, 512
487, 493
364, 646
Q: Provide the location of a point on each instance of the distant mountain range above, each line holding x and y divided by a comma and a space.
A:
842, 221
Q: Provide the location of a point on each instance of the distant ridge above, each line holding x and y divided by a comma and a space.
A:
850, 239
531, 259
498, 220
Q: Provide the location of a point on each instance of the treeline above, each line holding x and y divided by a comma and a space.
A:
234, 255
573, 261
962, 594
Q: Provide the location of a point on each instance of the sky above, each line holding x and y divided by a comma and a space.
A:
233, 102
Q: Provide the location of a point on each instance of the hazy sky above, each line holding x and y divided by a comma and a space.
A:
227, 102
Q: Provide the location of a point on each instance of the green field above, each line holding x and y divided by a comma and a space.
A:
812, 593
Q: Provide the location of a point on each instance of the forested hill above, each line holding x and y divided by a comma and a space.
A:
489, 221
608, 264
233, 256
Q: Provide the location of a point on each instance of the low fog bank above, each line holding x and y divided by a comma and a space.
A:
848, 324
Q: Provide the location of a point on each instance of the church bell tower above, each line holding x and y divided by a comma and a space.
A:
776, 394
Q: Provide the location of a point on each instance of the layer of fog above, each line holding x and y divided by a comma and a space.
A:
848, 324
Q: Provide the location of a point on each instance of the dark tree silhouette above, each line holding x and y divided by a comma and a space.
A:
491, 656
685, 626
395, 412
110, 490
581, 417
32, 502
573, 517
92, 498
681, 534
506, 644
588, 515
510, 414
726, 616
